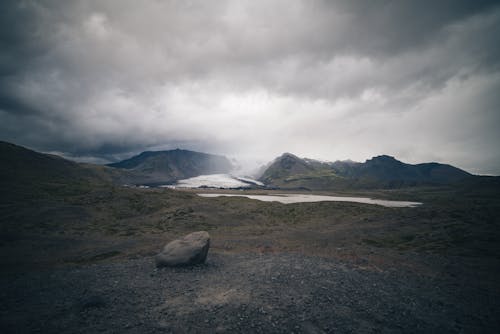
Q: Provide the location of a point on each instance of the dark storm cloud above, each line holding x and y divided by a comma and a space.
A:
388, 27
327, 79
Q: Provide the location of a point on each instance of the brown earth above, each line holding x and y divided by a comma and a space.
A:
81, 261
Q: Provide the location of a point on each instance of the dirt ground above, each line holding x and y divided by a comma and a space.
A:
83, 264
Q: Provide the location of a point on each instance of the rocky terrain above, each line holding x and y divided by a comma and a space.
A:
252, 293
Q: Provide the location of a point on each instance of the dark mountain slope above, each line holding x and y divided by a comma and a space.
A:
387, 171
28, 174
19, 162
169, 166
20, 166
442, 172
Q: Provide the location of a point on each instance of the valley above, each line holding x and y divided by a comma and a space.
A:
75, 238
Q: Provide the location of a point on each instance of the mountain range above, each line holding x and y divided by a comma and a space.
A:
290, 171
285, 172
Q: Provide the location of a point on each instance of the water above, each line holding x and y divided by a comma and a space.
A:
303, 198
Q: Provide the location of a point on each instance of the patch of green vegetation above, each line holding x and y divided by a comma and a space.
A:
323, 173
399, 242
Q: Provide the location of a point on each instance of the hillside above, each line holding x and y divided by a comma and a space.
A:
19, 163
46, 196
169, 166
290, 171
30, 174
24, 172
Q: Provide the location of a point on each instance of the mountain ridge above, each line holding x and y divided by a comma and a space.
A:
385, 171
23, 166
172, 165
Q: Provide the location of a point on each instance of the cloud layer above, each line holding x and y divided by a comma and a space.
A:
101, 80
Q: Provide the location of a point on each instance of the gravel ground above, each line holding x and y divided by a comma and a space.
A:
245, 293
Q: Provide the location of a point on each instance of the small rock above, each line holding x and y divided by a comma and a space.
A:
189, 250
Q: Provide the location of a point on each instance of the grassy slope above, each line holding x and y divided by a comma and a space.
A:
115, 221
316, 179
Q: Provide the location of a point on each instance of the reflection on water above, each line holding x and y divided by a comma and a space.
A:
301, 198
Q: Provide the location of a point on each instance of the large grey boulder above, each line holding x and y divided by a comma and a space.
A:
189, 250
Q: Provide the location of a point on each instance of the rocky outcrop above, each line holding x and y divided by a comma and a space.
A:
189, 250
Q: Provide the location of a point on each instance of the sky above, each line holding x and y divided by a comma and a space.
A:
99, 81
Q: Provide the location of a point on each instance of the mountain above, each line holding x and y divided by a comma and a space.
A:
22, 165
28, 174
387, 171
169, 166
285, 166
24, 168
290, 171
26, 171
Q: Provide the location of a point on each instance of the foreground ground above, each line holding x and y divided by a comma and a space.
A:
249, 293
81, 261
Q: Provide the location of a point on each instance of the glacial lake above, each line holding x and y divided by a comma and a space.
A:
303, 198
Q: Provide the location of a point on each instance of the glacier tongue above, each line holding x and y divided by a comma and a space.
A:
216, 181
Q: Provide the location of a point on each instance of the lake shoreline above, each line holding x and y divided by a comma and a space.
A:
308, 198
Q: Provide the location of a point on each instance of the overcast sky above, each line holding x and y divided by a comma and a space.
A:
102, 80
